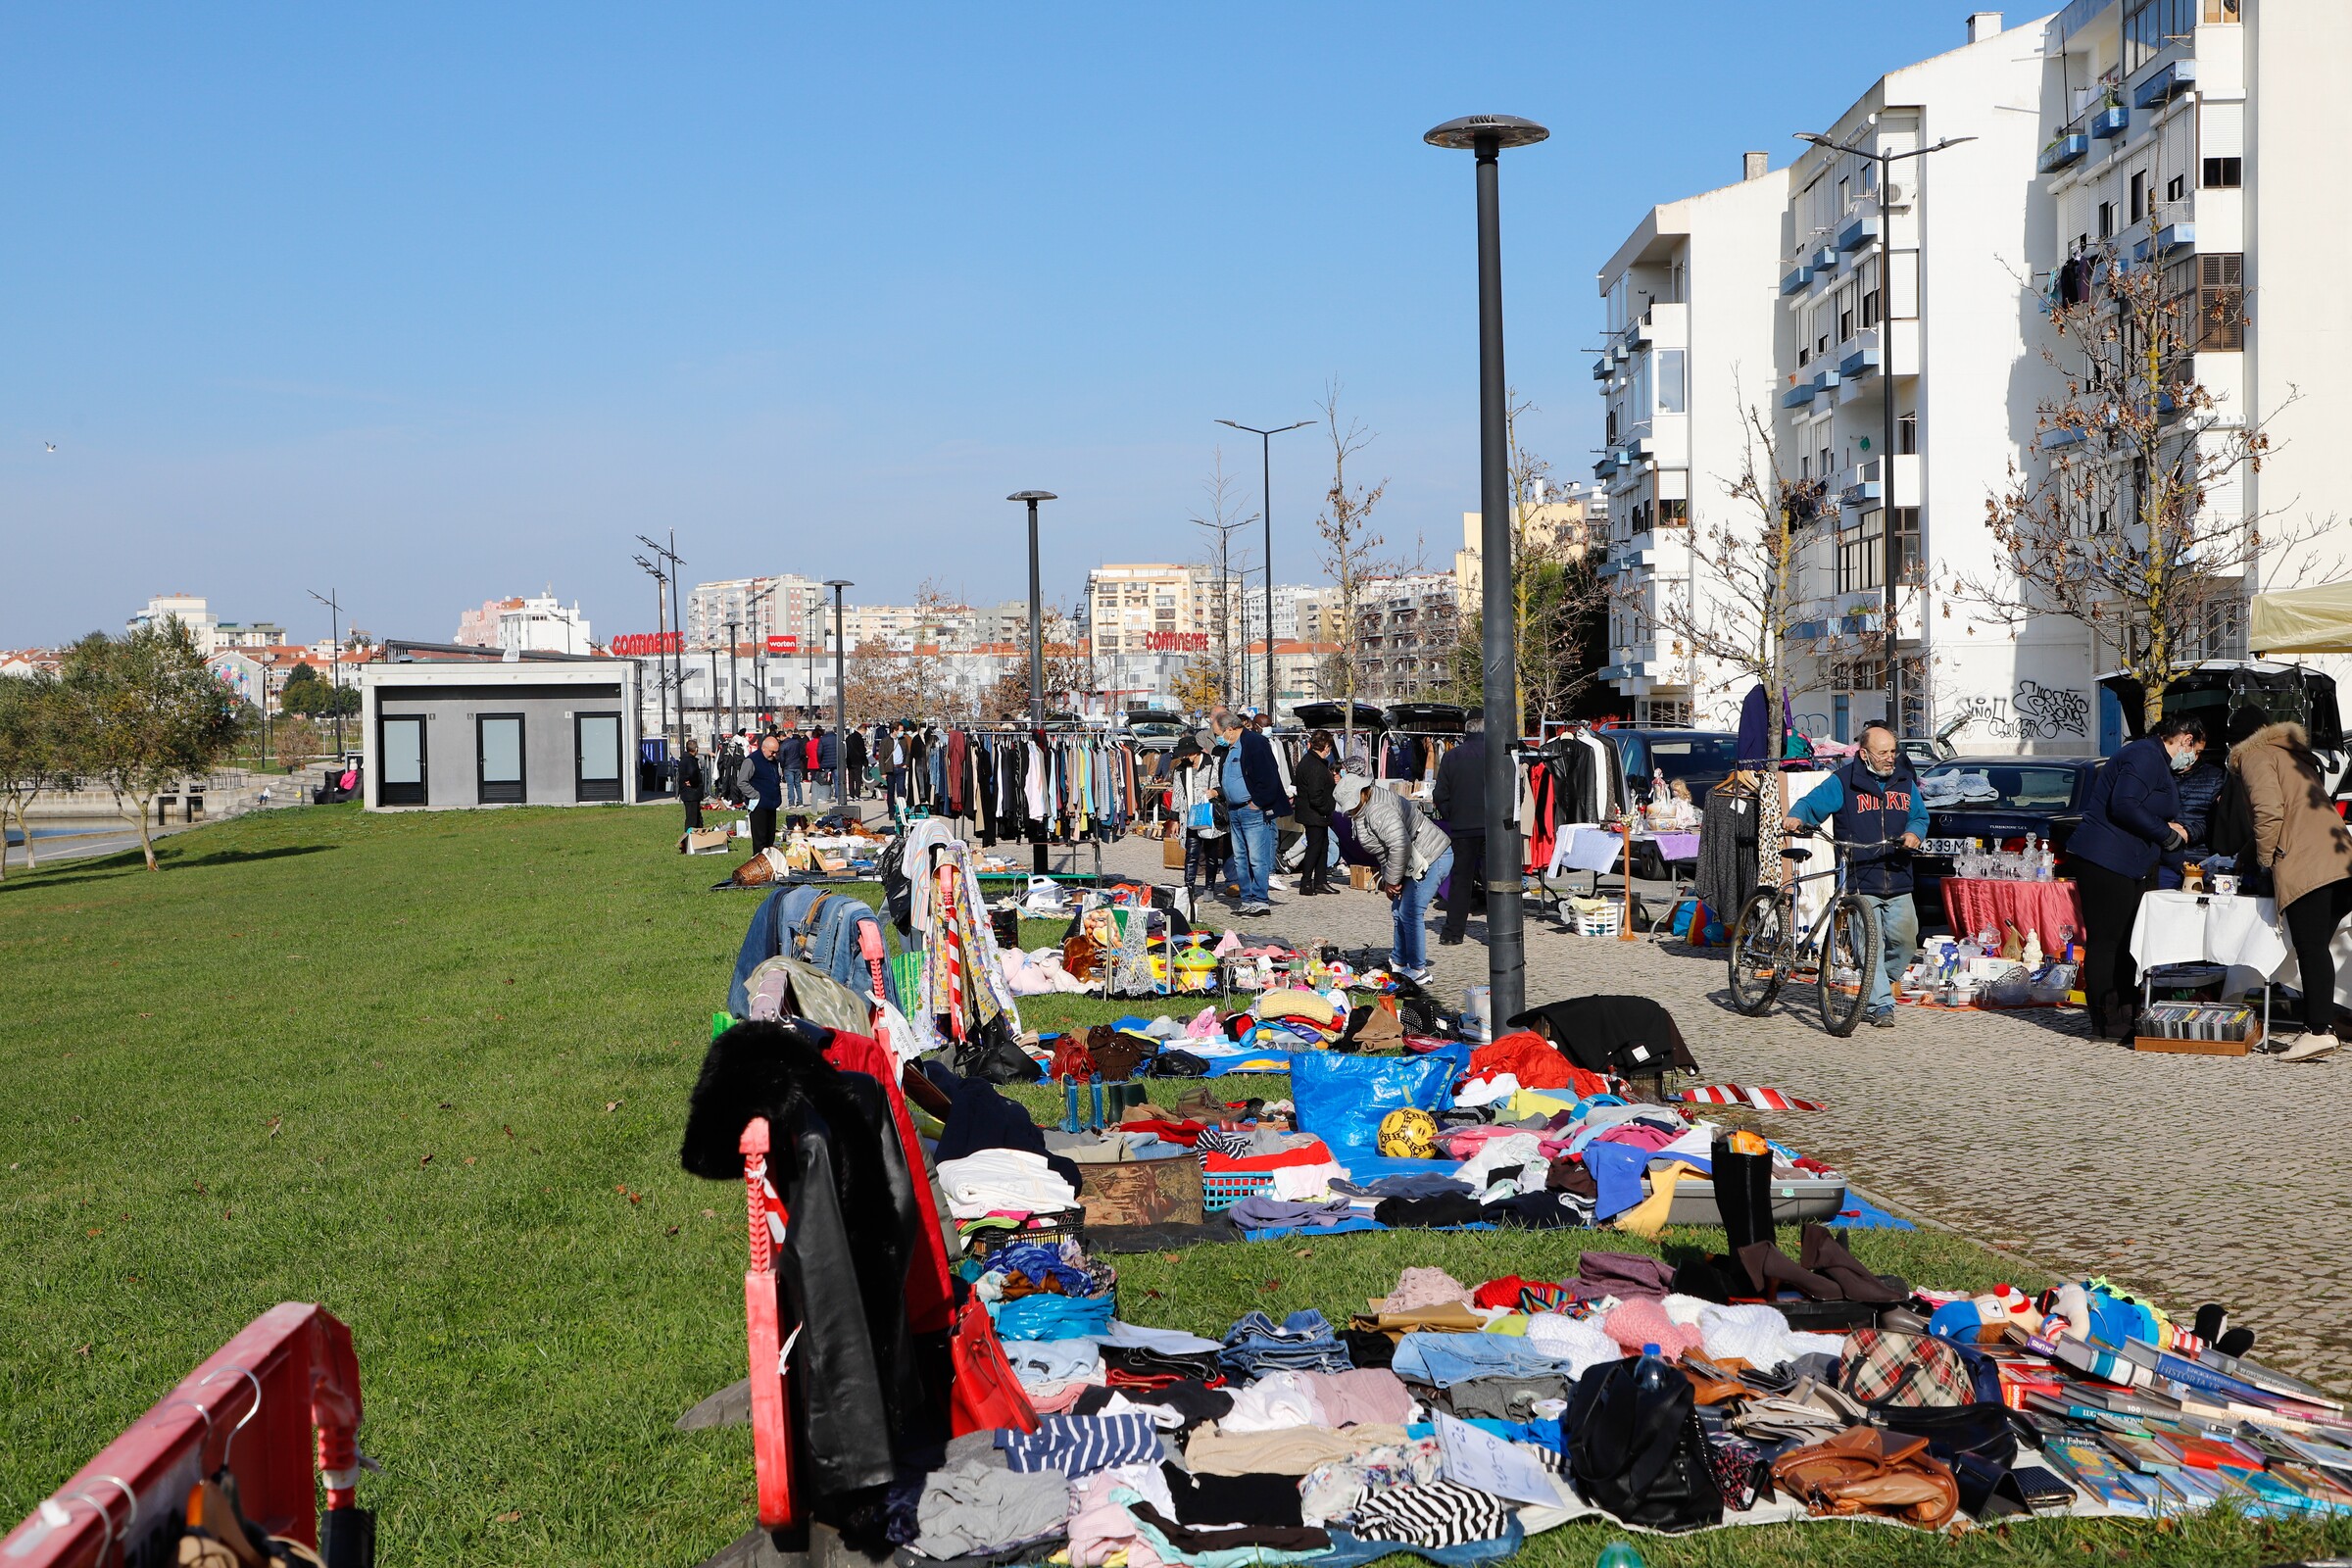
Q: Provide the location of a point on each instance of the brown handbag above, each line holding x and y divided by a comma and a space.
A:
1863, 1470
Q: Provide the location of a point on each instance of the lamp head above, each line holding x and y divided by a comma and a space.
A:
1033, 496
1502, 130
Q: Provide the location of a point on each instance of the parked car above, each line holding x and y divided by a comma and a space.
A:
1699, 758
1154, 729
2219, 687
2000, 800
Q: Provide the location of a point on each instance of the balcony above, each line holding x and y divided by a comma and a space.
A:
1796, 278
1797, 396
1861, 362
2110, 122
2167, 84
1601, 369
2064, 153
2166, 240
1606, 467
1824, 259
1826, 381
1860, 232
2059, 440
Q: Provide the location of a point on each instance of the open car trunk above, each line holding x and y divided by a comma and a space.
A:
2219, 687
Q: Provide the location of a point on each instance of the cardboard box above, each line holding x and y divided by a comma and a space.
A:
1171, 852
2199, 1048
1360, 877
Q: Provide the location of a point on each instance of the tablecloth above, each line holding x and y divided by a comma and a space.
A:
2236, 930
1596, 849
2046, 909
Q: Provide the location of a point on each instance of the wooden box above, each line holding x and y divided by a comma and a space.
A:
2199, 1048
1171, 852
1144, 1191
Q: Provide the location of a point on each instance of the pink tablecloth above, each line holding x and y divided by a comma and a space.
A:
2047, 909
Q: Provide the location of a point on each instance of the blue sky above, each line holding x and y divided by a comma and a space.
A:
436, 303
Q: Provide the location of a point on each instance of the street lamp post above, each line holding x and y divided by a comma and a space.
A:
334, 667
1037, 653
1265, 490
734, 684
1889, 542
1505, 874
841, 715
758, 647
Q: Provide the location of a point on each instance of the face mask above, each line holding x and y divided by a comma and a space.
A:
2183, 761
1876, 772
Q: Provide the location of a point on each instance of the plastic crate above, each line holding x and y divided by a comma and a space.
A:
1040, 1228
1793, 1202
1221, 1190
1606, 923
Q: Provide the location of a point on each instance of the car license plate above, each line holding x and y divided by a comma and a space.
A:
1943, 846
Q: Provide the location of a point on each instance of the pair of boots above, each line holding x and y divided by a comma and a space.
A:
1824, 1270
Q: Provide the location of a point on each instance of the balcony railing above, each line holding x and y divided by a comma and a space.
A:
1795, 279
2111, 121
1797, 396
2166, 240
1863, 230
2064, 153
1861, 362
2169, 82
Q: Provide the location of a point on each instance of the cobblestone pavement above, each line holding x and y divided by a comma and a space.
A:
2189, 1178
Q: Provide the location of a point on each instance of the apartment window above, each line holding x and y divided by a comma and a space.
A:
1861, 554
1674, 513
2151, 26
2221, 12
1670, 381
1906, 544
1846, 312
2176, 188
2224, 174
2210, 293
1842, 718
1906, 434
1872, 299
1826, 468
2106, 220
2139, 195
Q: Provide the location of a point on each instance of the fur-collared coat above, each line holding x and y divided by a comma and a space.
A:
2297, 835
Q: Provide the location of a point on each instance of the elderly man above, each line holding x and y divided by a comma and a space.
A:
1252, 785
1879, 815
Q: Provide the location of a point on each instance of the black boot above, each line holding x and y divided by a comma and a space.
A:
1744, 1197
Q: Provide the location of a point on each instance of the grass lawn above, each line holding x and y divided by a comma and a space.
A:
429, 1070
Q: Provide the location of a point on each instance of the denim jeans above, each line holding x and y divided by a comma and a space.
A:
1252, 852
791, 789
1898, 935
1409, 950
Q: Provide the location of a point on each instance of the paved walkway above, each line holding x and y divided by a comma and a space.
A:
2190, 1178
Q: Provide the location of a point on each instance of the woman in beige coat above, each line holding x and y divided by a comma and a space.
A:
2303, 844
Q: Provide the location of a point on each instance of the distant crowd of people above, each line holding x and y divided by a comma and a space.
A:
762, 773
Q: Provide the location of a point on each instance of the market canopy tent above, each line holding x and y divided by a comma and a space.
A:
2303, 620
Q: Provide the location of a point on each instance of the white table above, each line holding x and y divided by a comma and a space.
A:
2237, 930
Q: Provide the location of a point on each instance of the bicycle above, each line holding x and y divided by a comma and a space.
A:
1768, 947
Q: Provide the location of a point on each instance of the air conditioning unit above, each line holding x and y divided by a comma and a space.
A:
1898, 195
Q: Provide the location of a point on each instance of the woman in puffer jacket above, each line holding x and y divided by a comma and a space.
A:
1415, 858
2302, 843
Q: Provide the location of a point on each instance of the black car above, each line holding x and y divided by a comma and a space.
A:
2000, 800
1698, 759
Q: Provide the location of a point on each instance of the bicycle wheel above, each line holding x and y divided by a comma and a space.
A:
1850, 955
1759, 957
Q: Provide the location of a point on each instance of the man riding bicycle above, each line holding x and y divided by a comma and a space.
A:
1879, 812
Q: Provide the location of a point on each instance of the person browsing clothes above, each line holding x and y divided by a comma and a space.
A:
1878, 816
1414, 857
2300, 841
1252, 784
2130, 816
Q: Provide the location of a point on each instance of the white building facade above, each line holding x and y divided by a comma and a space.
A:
752, 610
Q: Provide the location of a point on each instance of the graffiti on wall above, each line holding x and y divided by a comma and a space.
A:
2036, 712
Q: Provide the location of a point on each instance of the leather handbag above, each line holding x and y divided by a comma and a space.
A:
1980, 1431
1863, 1470
985, 1394
1641, 1454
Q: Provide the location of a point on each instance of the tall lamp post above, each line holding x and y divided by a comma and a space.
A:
1889, 542
841, 715
1505, 874
1265, 490
653, 570
1224, 533
1037, 653
734, 683
758, 647
334, 668
678, 623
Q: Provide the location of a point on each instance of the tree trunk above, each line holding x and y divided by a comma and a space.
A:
32, 861
146, 836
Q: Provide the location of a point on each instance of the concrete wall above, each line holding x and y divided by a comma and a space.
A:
452, 697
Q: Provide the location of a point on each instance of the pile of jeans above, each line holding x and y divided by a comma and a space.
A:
1303, 1342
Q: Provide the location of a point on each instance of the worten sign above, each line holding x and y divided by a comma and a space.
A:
1175, 642
783, 645
645, 644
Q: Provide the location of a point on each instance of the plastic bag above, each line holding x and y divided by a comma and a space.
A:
1340, 1099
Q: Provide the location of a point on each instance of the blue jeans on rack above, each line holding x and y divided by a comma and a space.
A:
1409, 949
1252, 838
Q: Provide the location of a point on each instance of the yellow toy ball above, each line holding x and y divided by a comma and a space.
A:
1408, 1133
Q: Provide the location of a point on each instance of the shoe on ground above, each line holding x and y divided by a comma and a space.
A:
1419, 977
1884, 1019
1257, 908
1450, 942
2309, 1048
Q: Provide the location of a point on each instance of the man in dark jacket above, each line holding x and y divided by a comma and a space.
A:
1313, 780
1459, 797
1252, 784
792, 756
1880, 816
852, 758
2131, 816
690, 785
763, 787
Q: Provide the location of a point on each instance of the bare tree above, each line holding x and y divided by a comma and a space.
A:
1224, 517
1070, 670
2133, 523
1352, 548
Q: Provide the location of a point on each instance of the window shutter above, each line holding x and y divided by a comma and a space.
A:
2223, 127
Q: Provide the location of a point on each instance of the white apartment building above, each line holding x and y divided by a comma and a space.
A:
1407, 630
1573, 518
2161, 120
905, 627
528, 624
192, 610
756, 608
1940, 314
1689, 329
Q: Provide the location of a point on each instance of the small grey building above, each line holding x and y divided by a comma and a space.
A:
445, 727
